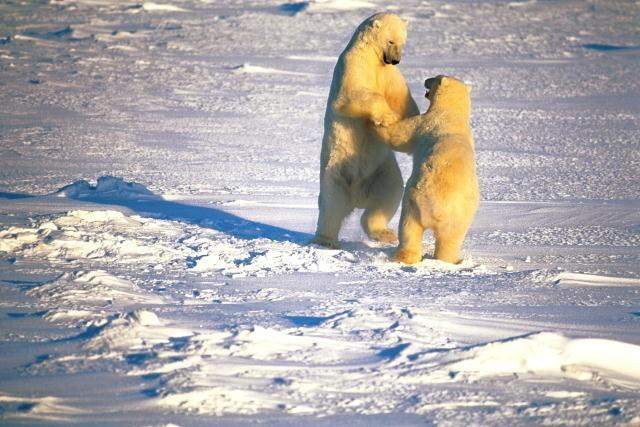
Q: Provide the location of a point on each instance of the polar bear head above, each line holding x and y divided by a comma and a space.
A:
386, 34
446, 91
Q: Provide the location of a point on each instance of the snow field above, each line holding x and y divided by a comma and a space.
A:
356, 355
180, 284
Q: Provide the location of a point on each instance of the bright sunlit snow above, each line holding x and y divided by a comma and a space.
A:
159, 166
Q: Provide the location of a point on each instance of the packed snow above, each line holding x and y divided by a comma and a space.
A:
159, 167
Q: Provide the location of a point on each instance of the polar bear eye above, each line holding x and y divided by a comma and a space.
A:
391, 42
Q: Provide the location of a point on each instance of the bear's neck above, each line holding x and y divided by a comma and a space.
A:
363, 53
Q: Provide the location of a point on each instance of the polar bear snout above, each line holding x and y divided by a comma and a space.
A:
392, 54
389, 59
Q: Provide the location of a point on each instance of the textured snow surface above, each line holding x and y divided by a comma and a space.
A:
158, 182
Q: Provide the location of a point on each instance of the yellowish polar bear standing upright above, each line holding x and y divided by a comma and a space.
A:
357, 170
442, 192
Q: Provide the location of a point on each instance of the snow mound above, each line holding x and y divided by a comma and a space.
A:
294, 370
269, 344
540, 355
74, 218
125, 340
157, 7
107, 187
339, 5
69, 33
574, 280
15, 238
86, 295
255, 69
326, 6
97, 235
259, 369
135, 331
46, 408
108, 236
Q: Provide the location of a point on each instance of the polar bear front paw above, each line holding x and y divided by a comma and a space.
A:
406, 256
326, 242
387, 119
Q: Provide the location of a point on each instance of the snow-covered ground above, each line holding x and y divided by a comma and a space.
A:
158, 175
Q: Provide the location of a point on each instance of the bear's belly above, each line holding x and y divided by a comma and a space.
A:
354, 155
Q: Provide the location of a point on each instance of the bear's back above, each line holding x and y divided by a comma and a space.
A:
444, 171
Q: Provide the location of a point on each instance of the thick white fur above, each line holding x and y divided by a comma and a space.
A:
357, 170
442, 192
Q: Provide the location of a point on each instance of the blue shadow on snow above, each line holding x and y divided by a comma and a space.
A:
607, 47
136, 197
14, 196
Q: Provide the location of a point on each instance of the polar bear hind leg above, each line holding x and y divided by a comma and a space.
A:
411, 231
448, 243
334, 206
383, 193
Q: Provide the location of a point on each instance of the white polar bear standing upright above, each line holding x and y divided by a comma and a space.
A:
357, 170
442, 193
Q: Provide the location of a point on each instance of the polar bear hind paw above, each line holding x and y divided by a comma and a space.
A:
385, 236
406, 256
326, 242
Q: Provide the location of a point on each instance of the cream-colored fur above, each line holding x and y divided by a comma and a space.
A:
442, 192
357, 170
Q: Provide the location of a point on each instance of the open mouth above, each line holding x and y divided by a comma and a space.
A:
428, 85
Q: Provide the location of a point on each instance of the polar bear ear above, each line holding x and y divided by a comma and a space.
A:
377, 23
469, 86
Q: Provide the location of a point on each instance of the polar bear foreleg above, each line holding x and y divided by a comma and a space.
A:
368, 105
400, 135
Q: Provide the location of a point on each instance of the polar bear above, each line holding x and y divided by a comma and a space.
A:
357, 170
442, 193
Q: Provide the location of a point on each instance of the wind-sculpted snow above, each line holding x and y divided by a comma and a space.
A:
107, 187
542, 355
102, 237
47, 408
89, 295
225, 326
310, 365
158, 189
326, 6
86, 235
302, 372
